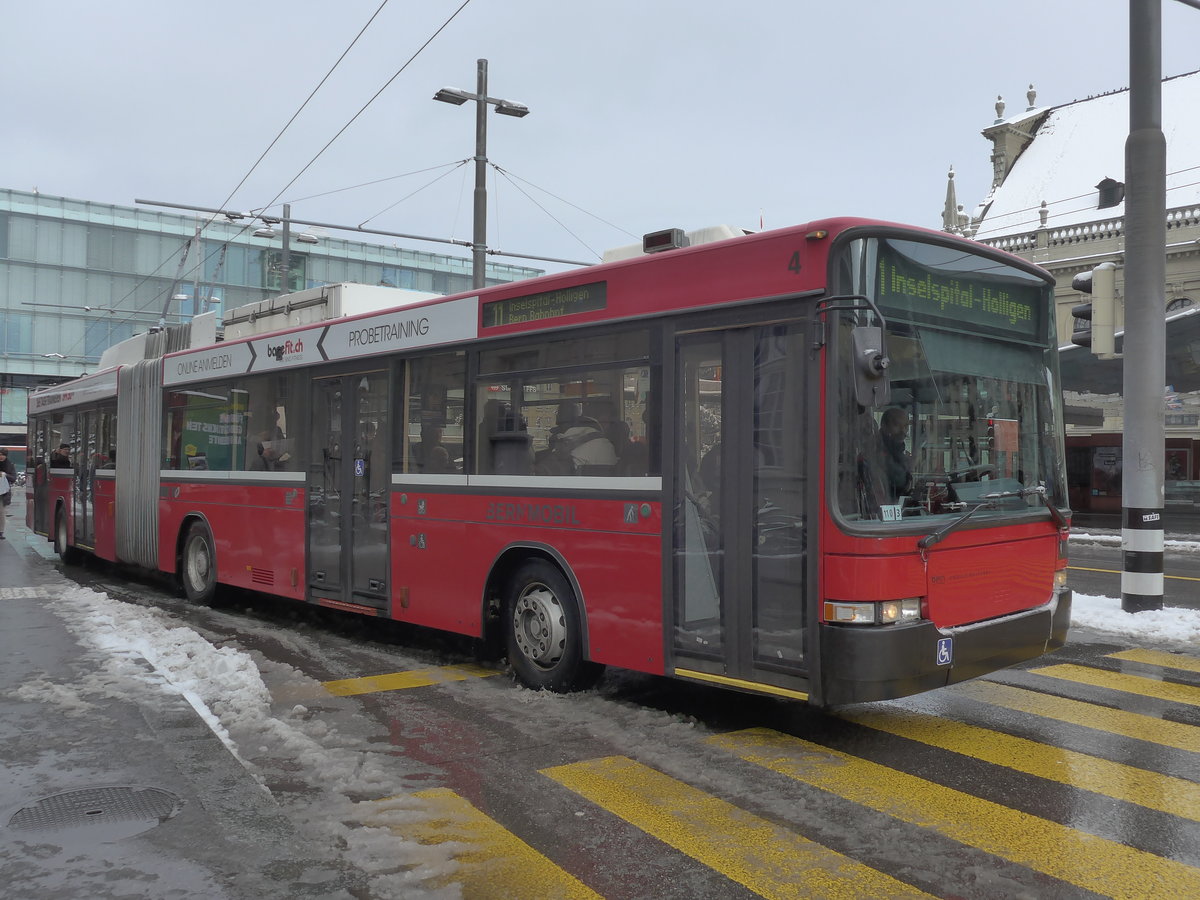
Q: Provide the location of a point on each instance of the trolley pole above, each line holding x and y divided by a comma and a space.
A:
1144, 376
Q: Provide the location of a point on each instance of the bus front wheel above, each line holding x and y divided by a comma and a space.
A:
543, 631
199, 567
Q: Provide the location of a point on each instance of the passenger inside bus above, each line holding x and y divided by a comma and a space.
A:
578, 445
61, 458
885, 465
431, 456
267, 458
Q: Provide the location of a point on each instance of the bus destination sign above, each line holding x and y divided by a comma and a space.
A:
981, 304
548, 305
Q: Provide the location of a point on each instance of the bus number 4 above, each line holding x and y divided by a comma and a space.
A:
794, 263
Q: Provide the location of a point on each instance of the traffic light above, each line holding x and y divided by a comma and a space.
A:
1100, 312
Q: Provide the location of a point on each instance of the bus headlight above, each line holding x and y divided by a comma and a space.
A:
907, 610
889, 612
1060, 579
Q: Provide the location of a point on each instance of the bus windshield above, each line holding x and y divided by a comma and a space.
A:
974, 418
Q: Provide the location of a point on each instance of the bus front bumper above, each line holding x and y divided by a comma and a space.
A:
861, 664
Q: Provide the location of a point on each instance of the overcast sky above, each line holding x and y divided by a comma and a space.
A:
646, 114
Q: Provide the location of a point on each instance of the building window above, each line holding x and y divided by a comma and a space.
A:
16, 333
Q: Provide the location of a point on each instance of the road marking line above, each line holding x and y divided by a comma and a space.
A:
495, 864
1091, 862
28, 593
1165, 793
1119, 681
1088, 715
763, 857
398, 681
1160, 658
1119, 572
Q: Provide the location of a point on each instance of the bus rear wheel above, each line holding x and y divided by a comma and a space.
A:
544, 632
198, 569
68, 554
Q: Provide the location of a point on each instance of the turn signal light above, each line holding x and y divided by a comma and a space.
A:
889, 612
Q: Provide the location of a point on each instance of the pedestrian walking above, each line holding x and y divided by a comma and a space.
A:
5, 498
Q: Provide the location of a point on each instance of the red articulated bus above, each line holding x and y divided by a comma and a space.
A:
824, 463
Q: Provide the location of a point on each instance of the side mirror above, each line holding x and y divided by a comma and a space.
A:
870, 364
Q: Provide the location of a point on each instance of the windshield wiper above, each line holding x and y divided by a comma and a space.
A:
988, 501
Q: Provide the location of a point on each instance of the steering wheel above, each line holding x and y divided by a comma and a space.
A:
971, 473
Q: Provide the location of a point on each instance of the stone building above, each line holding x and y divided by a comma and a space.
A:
1057, 199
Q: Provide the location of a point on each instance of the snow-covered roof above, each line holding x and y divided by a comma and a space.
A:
1078, 145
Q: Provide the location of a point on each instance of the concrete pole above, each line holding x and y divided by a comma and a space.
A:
286, 260
1144, 444
479, 235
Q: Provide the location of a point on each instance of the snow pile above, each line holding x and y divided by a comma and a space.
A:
226, 688
1084, 537
1104, 614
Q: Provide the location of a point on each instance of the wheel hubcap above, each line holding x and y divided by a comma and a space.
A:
198, 564
540, 625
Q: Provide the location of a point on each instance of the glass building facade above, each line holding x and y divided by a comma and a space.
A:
77, 277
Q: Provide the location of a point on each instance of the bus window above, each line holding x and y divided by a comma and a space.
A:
204, 428
430, 436
270, 417
566, 421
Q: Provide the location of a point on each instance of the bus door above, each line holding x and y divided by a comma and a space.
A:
742, 457
85, 476
40, 476
349, 482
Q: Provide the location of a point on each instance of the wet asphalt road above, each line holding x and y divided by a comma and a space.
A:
1094, 567
1074, 776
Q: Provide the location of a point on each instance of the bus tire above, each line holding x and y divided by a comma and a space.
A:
198, 565
68, 554
543, 630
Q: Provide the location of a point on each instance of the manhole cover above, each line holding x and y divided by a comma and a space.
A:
101, 814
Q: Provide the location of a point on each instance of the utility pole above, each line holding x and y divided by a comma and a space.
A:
1143, 442
479, 223
505, 108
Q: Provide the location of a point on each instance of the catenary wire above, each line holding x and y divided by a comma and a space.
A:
186, 244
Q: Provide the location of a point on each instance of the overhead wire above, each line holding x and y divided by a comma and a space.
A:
366, 105
342, 130
352, 187
427, 184
511, 175
186, 244
550, 215
1052, 203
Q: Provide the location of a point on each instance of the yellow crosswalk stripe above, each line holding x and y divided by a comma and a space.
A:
1160, 658
1090, 773
398, 681
1088, 715
1119, 681
494, 864
1090, 862
763, 857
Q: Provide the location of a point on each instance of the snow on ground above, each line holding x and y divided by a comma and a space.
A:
1167, 626
1187, 546
226, 688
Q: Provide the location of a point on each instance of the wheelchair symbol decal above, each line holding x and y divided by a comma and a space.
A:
945, 651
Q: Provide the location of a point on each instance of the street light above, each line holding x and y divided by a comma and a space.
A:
504, 108
267, 230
